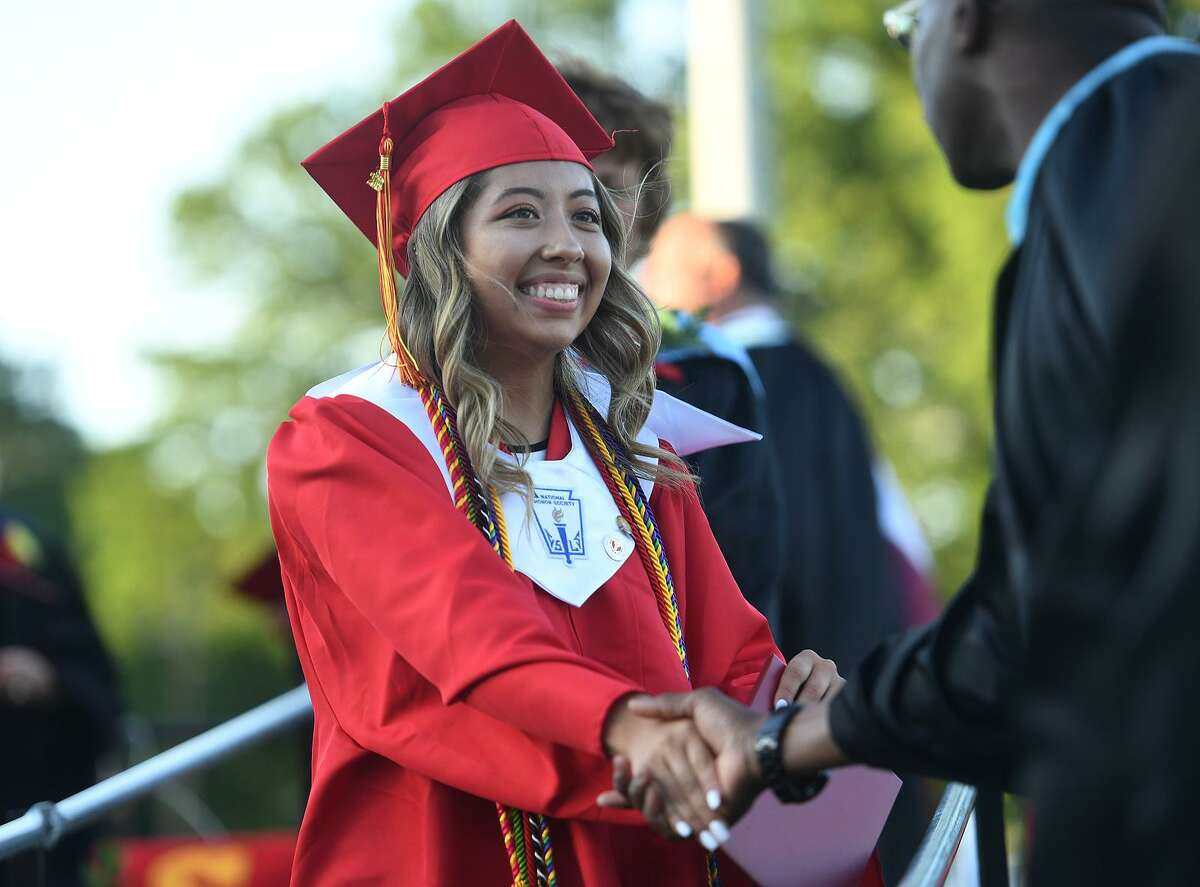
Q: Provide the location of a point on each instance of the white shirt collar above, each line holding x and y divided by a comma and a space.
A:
1061, 113
755, 326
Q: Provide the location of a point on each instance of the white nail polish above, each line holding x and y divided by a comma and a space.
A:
713, 797
780, 703
683, 829
719, 830
709, 842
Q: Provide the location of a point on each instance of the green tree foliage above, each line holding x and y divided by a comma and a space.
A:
892, 263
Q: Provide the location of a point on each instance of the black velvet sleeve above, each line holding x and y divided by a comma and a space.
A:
935, 701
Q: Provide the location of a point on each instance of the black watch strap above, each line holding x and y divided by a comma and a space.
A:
768, 747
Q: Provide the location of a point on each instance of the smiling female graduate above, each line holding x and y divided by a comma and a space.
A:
488, 545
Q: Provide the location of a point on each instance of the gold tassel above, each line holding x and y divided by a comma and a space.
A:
380, 180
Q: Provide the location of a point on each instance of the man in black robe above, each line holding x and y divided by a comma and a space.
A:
1068, 666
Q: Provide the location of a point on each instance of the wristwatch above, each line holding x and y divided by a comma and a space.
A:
768, 747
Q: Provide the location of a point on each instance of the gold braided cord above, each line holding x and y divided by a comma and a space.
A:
388, 295
653, 558
641, 520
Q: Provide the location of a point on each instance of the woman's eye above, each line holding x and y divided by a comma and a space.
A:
521, 212
588, 215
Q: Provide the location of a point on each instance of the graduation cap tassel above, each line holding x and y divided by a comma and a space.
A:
381, 181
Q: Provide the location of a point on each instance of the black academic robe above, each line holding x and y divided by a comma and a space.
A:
1068, 666
838, 593
740, 486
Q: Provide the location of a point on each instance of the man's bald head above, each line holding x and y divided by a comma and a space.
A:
690, 266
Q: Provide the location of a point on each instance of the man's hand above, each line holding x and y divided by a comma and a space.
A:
726, 728
667, 771
808, 678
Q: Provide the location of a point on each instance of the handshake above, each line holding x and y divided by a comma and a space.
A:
689, 763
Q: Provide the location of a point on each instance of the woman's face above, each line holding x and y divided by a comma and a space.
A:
537, 257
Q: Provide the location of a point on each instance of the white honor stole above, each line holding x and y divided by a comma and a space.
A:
574, 539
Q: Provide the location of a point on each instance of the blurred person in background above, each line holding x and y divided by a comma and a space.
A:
1067, 667
740, 486
59, 700
850, 579
855, 564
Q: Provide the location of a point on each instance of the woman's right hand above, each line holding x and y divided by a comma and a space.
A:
672, 774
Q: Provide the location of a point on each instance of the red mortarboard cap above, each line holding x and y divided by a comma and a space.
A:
501, 101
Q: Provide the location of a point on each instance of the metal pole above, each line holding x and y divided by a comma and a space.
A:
46, 823
727, 119
932, 861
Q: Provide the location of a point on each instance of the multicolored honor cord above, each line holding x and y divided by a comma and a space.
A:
527, 835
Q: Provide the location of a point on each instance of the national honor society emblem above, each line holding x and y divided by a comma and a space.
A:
559, 517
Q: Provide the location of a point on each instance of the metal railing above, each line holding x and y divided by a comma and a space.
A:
940, 844
46, 823
939, 848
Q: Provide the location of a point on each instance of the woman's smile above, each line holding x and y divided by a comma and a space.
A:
554, 293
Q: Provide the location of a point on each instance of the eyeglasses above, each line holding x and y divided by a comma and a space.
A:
901, 22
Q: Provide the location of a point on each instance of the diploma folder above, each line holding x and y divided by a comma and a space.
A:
826, 842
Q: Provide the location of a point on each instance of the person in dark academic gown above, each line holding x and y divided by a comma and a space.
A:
59, 699
472, 640
1067, 667
742, 488
847, 570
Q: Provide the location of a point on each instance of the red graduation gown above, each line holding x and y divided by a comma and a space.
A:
442, 681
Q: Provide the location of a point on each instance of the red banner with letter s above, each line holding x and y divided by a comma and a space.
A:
257, 860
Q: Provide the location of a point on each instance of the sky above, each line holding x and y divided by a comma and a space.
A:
110, 109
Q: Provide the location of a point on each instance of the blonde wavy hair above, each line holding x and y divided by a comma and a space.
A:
442, 327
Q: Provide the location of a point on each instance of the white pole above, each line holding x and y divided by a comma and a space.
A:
727, 120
